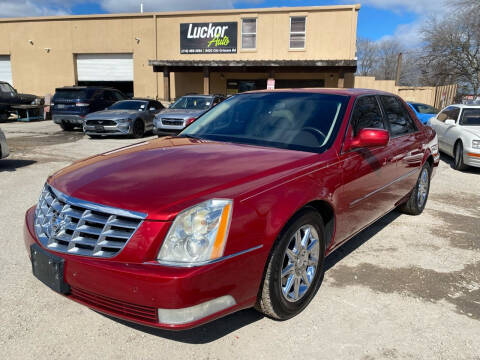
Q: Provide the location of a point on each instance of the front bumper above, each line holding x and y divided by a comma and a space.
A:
118, 129
135, 291
471, 157
69, 119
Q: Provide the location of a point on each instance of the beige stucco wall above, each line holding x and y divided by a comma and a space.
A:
436, 96
35, 70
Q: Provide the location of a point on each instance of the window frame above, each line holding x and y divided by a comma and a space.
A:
297, 32
387, 120
248, 33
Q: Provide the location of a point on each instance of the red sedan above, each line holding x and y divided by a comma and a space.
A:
239, 210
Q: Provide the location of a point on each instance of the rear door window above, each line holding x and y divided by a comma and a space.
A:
367, 114
397, 115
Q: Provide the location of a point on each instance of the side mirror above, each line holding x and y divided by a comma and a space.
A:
370, 138
449, 122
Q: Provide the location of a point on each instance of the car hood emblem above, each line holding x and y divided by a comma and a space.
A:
58, 224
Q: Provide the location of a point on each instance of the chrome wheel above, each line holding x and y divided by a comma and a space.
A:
300, 263
422, 188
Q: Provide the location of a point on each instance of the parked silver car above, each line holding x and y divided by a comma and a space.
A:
458, 130
183, 112
4, 152
127, 117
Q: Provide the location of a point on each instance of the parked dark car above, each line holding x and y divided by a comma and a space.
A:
70, 105
127, 117
239, 210
183, 112
10, 97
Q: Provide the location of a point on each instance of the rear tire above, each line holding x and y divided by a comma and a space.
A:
66, 126
295, 268
458, 163
138, 129
419, 195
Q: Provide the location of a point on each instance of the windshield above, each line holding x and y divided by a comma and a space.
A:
425, 109
298, 121
6, 89
192, 102
129, 105
470, 117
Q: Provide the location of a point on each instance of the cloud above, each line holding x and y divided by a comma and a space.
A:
420, 7
121, 6
25, 8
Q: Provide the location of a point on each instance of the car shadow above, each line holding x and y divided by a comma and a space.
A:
203, 334
360, 239
13, 164
450, 161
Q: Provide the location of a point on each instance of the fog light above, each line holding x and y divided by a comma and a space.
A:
197, 312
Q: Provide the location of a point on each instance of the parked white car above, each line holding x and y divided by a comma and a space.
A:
458, 130
3, 145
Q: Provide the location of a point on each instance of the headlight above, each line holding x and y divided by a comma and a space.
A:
198, 234
476, 144
123, 120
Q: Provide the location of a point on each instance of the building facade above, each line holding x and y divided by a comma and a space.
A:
168, 54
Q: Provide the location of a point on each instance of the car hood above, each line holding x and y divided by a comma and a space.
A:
181, 113
164, 176
475, 130
112, 114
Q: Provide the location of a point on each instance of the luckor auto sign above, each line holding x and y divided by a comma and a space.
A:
208, 38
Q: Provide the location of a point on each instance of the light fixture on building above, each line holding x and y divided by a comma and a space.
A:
47, 50
137, 39
31, 42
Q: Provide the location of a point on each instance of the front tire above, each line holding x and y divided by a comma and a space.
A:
66, 126
458, 163
419, 195
138, 129
295, 267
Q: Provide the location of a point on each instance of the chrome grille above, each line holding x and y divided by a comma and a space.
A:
73, 226
172, 122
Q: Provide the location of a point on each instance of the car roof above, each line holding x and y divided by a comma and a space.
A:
463, 106
138, 99
333, 91
199, 95
85, 88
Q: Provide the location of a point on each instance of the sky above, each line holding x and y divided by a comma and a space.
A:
378, 19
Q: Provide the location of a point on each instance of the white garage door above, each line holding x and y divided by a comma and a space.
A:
105, 67
5, 69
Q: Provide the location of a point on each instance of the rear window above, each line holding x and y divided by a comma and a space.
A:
72, 94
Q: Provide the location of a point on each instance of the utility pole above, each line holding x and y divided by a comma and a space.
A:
141, 7
399, 68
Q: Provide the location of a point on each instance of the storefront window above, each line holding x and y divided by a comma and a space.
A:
249, 33
297, 32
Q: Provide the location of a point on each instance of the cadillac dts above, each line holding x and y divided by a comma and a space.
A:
239, 210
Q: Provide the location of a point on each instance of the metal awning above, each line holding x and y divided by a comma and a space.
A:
254, 65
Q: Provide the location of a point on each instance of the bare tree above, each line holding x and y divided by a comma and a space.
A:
367, 54
388, 51
452, 48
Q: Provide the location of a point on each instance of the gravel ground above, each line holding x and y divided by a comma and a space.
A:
405, 288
